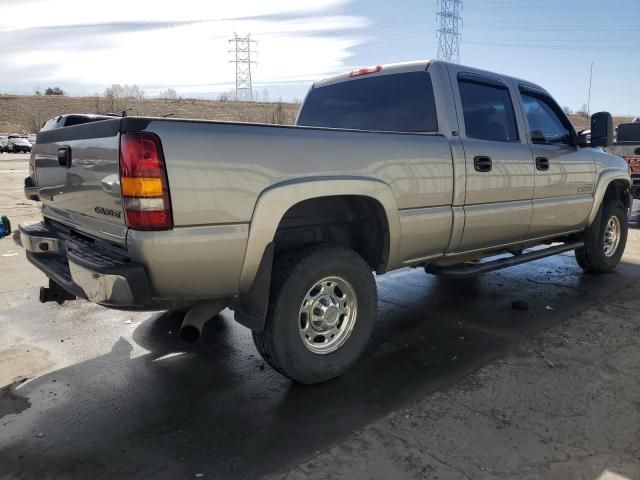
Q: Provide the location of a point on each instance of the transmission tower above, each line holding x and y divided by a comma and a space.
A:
242, 51
450, 20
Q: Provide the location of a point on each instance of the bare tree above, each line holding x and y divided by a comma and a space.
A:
583, 111
169, 94
119, 96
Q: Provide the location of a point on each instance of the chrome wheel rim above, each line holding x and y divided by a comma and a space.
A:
327, 315
611, 236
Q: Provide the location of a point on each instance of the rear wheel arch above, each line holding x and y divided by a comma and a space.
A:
354, 221
276, 202
377, 241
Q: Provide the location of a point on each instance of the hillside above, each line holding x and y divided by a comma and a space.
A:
26, 114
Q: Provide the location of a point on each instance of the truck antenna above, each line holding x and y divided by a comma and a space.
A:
589, 96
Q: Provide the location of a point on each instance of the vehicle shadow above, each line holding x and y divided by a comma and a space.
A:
215, 408
15, 235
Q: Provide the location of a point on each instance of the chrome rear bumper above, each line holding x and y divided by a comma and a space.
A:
84, 268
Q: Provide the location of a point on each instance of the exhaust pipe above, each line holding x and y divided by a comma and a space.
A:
197, 316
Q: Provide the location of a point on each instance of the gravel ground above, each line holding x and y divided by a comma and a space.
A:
565, 405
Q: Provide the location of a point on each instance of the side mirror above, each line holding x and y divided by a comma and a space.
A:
601, 129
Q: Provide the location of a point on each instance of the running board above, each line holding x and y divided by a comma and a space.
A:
464, 271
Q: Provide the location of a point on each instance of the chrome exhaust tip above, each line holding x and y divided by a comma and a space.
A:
196, 318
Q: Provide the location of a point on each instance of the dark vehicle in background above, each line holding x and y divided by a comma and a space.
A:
627, 146
19, 144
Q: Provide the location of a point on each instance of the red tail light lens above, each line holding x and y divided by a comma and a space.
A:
143, 182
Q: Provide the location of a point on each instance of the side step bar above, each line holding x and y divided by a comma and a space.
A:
464, 271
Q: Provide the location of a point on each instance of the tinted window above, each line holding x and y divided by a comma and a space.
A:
545, 122
488, 112
401, 102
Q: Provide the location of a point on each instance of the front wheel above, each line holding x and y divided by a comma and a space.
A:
321, 313
604, 240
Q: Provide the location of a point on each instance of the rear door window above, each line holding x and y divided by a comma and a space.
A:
401, 102
488, 111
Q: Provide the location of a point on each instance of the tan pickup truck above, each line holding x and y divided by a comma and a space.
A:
423, 164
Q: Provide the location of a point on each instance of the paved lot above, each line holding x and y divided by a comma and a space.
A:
455, 384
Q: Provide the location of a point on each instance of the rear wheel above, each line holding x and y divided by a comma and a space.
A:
321, 313
605, 239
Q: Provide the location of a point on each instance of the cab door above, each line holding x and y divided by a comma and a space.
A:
498, 162
564, 173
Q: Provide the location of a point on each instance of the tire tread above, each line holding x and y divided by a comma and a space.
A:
590, 257
286, 267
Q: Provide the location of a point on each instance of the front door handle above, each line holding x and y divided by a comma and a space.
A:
542, 163
482, 163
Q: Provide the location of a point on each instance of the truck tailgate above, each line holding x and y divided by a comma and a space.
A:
77, 176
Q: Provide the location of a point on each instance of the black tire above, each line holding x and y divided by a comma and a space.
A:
280, 343
591, 257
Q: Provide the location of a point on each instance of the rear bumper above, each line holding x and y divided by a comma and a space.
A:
86, 269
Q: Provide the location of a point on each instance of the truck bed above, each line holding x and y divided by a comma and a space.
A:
217, 170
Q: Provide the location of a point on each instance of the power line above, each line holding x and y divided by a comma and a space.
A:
449, 31
242, 51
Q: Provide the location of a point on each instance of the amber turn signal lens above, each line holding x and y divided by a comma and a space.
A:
141, 187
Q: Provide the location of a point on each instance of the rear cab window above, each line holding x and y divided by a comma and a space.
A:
400, 102
487, 109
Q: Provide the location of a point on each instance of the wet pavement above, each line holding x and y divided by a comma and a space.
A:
117, 394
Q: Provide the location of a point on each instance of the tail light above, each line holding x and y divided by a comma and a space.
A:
143, 182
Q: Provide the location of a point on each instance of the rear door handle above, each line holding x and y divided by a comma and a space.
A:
542, 163
482, 163
64, 156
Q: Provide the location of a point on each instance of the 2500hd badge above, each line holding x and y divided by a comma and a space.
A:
108, 212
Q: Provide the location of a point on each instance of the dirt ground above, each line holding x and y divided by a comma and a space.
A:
455, 384
13, 170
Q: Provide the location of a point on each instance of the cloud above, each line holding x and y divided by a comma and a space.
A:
48, 13
156, 44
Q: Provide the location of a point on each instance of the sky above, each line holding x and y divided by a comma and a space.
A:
85, 46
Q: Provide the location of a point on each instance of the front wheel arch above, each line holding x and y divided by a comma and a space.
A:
611, 182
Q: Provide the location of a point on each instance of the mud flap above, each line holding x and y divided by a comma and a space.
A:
251, 307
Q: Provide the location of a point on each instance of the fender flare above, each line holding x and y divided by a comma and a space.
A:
275, 201
604, 180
